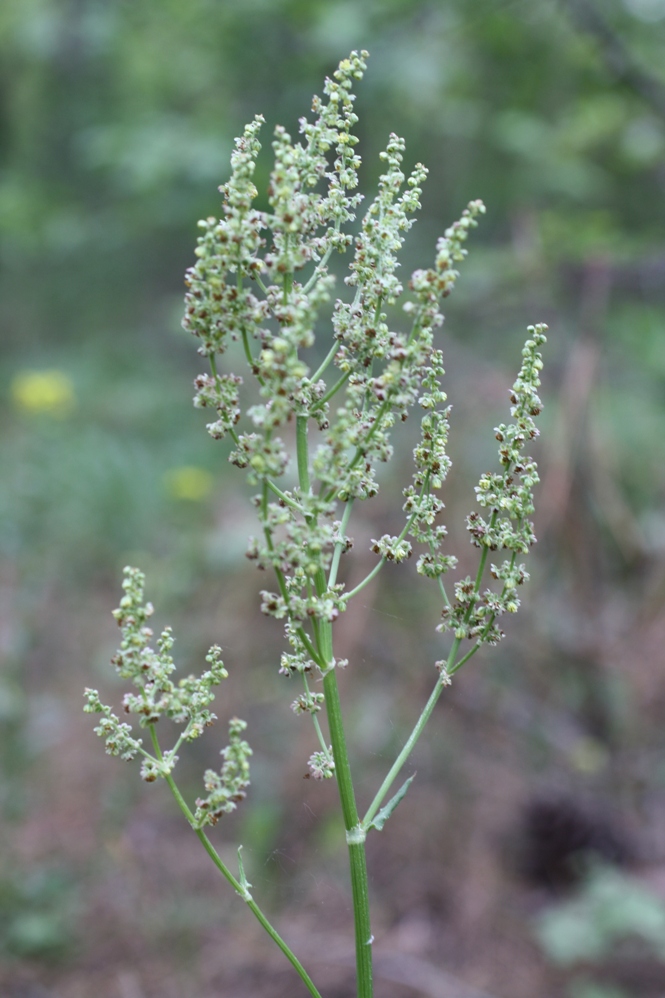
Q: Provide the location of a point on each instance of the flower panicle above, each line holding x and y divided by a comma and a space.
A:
228, 787
216, 310
118, 735
185, 702
381, 374
508, 497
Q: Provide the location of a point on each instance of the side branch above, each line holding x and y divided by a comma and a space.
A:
240, 887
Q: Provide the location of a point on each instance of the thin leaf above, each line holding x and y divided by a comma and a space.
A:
242, 878
379, 821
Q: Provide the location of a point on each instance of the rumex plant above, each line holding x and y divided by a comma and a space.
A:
262, 279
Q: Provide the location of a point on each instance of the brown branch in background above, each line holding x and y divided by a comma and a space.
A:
567, 445
615, 53
619, 518
578, 441
419, 976
423, 978
576, 390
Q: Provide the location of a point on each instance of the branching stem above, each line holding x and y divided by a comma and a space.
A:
340, 544
361, 449
287, 499
331, 392
239, 888
317, 725
451, 667
377, 568
327, 361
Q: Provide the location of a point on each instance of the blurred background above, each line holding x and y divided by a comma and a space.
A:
530, 860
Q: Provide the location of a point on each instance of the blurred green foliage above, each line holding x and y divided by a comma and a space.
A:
612, 915
116, 125
37, 912
610, 908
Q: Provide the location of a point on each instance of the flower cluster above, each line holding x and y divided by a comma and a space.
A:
430, 286
508, 496
308, 703
374, 398
215, 309
157, 696
261, 455
220, 393
392, 548
150, 670
118, 736
227, 788
321, 765
269, 292
300, 211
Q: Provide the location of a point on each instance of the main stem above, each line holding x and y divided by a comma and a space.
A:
355, 834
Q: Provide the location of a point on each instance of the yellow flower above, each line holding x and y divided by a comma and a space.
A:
588, 755
188, 482
43, 391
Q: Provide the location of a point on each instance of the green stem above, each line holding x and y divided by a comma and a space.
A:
281, 582
319, 735
328, 360
366, 581
360, 450
248, 352
465, 658
408, 747
288, 282
302, 454
377, 568
317, 725
319, 270
415, 329
213, 367
340, 544
442, 588
311, 650
250, 359
288, 953
451, 667
240, 889
479, 575
331, 391
283, 496
355, 836
317, 637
